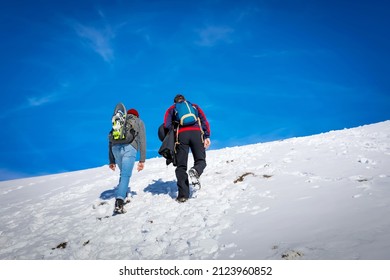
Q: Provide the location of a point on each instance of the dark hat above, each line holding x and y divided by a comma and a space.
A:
178, 98
133, 112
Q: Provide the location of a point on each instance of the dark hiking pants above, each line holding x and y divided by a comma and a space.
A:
189, 140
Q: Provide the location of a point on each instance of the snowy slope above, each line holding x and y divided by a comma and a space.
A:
325, 196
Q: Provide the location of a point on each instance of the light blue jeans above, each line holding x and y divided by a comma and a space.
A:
125, 158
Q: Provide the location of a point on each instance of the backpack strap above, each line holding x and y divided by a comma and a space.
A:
201, 130
177, 142
176, 138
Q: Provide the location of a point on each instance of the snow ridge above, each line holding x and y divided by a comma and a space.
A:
320, 197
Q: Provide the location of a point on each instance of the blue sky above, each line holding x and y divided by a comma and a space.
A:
261, 71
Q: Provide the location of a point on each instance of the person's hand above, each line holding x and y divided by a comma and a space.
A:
140, 166
112, 166
207, 143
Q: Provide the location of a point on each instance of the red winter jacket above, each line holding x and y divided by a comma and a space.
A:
170, 119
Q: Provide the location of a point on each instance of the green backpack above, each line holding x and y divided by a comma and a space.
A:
122, 131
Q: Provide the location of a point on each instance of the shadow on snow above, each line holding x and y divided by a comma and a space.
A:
156, 188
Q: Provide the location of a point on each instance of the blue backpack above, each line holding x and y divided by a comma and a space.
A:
186, 113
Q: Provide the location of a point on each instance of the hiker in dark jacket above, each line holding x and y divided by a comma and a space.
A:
195, 137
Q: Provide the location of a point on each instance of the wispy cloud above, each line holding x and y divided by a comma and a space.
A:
41, 100
212, 35
48, 97
100, 41
37, 100
267, 53
291, 52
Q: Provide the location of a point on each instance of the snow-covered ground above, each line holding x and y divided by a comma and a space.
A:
321, 197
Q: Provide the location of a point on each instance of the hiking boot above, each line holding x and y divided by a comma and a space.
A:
119, 205
193, 173
181, 199
194, 176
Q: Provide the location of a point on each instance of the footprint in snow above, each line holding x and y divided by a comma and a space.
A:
103, 209
292, 255
365, 160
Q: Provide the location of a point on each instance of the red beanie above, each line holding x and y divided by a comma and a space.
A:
133, 112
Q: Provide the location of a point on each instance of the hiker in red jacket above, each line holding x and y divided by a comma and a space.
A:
192, 132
